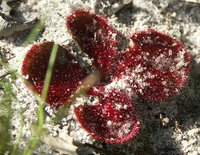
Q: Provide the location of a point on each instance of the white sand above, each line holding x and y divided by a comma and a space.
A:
171, 127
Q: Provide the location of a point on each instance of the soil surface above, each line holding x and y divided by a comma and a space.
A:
170, 127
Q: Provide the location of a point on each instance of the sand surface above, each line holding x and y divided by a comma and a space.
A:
171, 127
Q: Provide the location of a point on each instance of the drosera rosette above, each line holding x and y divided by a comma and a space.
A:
67, 74
95, 37
113, 120
156, 67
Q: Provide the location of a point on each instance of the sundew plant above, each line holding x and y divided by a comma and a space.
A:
154, 68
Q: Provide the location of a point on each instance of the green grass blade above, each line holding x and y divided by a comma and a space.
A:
49, 71
48, 76
15, 148
5, 116
38, 27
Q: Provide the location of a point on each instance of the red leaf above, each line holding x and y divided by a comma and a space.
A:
113, 120
67, 73
95, 37
157, 67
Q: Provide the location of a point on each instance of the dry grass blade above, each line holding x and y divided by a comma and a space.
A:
88, 82
62, 146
